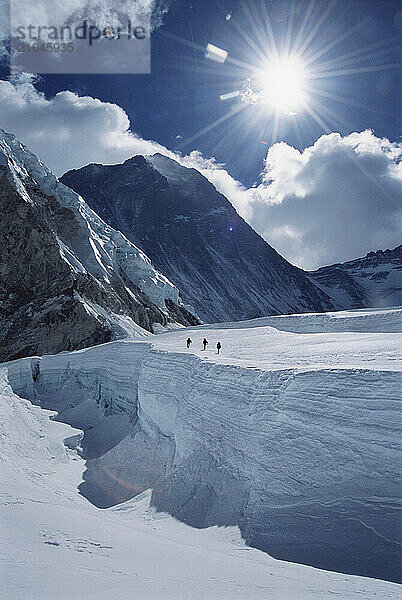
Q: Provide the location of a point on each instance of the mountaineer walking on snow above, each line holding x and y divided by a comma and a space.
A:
204, 344
189, 341
218, 347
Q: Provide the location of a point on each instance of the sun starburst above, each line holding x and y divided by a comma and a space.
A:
290, 75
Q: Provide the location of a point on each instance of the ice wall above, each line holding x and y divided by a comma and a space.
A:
305, 463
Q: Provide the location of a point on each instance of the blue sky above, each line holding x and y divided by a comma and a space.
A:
321, 182
181, 96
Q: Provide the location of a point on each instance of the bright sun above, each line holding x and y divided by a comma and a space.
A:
283, 83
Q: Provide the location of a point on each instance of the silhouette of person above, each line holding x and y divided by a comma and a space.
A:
189, 341
204, 344
218, 347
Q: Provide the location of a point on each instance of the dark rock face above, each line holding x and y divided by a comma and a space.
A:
372, 281
38, 312
52, 293
192, 233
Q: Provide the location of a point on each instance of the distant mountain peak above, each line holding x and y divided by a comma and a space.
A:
194, 235
375, 280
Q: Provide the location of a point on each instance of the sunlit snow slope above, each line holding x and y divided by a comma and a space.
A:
293, 437
56, 545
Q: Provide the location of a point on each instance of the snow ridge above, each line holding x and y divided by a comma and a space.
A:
223, 268
372, 281
277, 451
111, 250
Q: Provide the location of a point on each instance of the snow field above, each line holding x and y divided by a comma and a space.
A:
57, 545
302, 456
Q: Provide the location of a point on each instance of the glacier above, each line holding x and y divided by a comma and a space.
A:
289, 435
55, 544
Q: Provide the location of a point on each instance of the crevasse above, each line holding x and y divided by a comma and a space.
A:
304, 463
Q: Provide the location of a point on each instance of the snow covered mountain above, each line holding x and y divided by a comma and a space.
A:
192, 233
67, 279
292, 437
372, 281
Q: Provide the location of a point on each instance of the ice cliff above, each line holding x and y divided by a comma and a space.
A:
304, 461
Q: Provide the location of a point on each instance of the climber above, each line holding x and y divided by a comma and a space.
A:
204, 344
189, 341
218, 347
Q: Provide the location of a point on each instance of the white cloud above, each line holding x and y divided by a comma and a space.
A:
103, 12
334, 201
4, 28
69, 131
70, 12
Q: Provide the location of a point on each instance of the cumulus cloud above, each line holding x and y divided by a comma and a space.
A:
4, 28
70, 12
334, 201
68, 131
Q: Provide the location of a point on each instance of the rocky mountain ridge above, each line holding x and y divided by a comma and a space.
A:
193, 234
374, 280
67, 279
